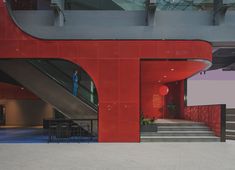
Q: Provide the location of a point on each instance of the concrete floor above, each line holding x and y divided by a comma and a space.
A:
23, 135
118, 156
35, 135
174, 121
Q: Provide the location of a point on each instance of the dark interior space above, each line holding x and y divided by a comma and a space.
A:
26, 118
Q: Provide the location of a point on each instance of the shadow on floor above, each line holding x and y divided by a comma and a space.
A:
35, 135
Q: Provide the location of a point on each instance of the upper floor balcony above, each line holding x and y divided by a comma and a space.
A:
209, 20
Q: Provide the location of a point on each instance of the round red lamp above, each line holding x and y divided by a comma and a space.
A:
163, 90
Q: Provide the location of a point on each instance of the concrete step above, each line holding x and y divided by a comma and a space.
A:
178, 133
181, 124
230, 137
179, 139
183, 128
230, 111
230, 132
230, 125
230, 117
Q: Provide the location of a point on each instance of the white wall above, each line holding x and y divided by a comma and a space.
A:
203, 92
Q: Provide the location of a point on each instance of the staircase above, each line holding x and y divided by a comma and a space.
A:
180, 131
230, 124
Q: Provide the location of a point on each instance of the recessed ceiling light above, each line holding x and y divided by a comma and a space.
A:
22, 88
165, 76
172, 69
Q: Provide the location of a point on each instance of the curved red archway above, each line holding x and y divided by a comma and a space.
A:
171, 73
114, 65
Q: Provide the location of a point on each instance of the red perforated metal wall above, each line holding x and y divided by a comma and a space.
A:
114, 65
209, 114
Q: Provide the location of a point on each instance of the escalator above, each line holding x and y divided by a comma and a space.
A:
61, 72
87, 88
53, 86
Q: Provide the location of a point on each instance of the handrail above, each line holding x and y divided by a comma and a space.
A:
64, 128
69, 77
64, 85
93, 105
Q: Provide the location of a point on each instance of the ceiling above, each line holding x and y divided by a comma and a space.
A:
165, 71
223, 58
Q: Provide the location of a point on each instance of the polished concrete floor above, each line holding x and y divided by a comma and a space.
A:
118, 156
22, 135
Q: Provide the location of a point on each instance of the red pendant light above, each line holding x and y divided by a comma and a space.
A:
163, 90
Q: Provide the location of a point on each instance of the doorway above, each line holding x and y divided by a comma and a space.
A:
2, 115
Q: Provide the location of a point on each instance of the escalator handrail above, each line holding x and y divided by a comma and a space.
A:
68, 76
94, 106
61, 83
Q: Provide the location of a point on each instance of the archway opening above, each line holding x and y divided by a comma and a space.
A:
72, 99
163, 95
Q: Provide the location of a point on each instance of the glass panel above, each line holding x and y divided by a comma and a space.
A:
230, 4
185, 5
30, 4
126, 5
65, 80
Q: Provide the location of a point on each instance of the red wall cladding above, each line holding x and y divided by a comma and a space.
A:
210, 115
8, 91
114, 65
152, 103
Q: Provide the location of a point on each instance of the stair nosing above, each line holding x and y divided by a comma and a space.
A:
179, 137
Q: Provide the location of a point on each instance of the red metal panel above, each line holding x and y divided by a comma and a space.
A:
148, 49
201, 50
113, 65
182, 98
209, 114
8, 91
183, 50
108, 122
166, 49
87, 49
9, 48
109, 80
107, 49
152, 103
48, 49
2, 26
129, 80
28, 48
129, 49
128, 118
1, 4
68, 49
